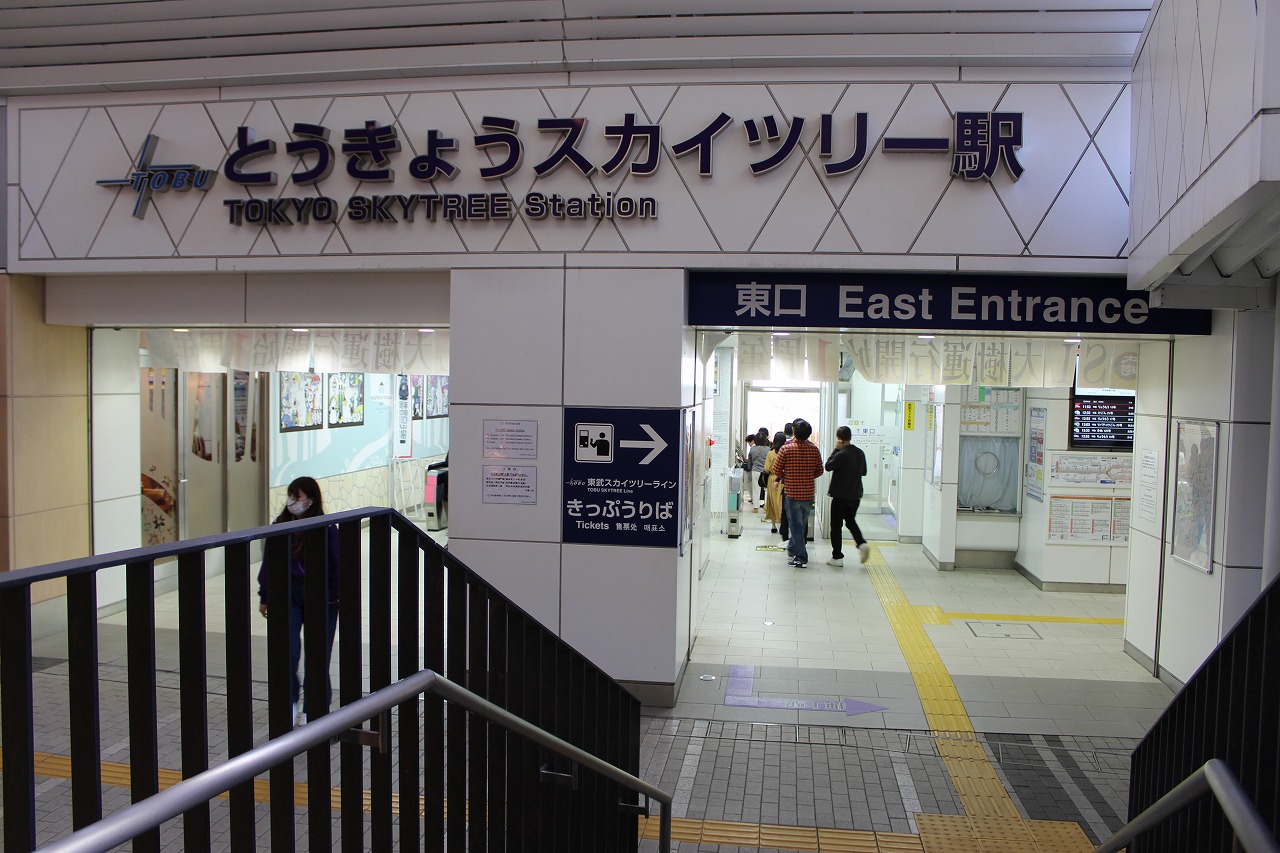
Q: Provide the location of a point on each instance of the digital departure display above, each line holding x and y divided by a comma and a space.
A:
1101, 422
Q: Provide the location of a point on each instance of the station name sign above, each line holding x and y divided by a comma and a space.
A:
942, 302
978, 142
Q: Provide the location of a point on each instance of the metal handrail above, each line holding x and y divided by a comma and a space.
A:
95, 562
1214, 777
123, 825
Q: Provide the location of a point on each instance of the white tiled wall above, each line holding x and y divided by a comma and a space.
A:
625, 338
1222, 378
622, 604
507, 337
117, 464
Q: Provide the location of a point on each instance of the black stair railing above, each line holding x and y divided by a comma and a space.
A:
1228, 710
448, 782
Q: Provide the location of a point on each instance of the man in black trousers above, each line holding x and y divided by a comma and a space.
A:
848, 465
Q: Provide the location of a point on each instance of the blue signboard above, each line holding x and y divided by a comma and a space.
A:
622, 477
1068, 305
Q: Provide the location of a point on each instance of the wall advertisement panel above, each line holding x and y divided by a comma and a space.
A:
1193, 504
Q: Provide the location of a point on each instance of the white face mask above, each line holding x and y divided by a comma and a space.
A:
297, 506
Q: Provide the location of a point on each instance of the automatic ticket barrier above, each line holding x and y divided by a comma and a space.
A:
734, 526
435, 496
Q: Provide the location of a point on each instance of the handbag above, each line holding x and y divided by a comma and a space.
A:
763, 480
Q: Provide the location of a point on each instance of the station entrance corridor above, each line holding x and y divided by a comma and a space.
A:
892, 707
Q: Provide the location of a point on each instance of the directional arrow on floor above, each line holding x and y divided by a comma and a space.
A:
850, 707
738, 693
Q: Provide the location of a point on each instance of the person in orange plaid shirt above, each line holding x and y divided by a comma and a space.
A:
799, 463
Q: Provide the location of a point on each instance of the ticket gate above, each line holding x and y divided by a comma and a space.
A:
435, 496
733, 527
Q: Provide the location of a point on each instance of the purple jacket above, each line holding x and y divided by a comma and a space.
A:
296, 569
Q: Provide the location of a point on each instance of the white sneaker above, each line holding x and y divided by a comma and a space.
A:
864, 552
838, 562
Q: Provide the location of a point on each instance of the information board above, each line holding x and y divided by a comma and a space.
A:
509, 484
1090, 469
510, 439
1148, 489
1102, 422
988, 410
1082, 520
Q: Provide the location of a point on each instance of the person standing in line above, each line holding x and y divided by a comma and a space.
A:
773, 497
788, 432
304, 501
744, 462
763, 439
799, 463
848, 465
755, 468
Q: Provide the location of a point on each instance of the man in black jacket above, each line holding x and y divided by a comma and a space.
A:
848, 465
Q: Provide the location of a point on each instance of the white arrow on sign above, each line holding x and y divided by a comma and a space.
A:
657, 445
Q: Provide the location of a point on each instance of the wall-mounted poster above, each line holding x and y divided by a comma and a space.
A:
936, 449
419, 395
1036, 421
436, 402
301, 401
1193, 496
346, 399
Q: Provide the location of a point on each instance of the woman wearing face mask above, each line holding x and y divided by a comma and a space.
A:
304, 501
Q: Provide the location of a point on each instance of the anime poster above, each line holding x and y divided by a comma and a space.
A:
301, 401
436, 403
346, 399
417, 387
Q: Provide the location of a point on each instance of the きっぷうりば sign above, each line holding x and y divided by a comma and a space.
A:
622, 477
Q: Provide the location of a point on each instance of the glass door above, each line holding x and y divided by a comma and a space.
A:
202, 447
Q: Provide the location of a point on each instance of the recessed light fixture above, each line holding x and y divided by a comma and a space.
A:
1071, 340
182, 330
428, 331
782, 334
926, 337
299, 330
768, 622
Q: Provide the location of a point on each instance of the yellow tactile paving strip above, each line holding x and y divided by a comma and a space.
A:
945, 618
980, 789
991, 824
774, 837
113, 773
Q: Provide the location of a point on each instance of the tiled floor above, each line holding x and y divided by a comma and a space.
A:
884, 706
806, 685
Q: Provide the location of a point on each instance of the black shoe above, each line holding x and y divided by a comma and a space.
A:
773, 530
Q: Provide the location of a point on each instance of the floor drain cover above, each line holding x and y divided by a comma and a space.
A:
1004, 630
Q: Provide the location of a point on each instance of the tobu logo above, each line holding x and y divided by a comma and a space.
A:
147, 178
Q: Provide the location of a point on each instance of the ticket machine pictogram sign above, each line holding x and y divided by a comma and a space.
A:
622, 477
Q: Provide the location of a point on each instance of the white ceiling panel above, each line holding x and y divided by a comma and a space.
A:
54, 46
